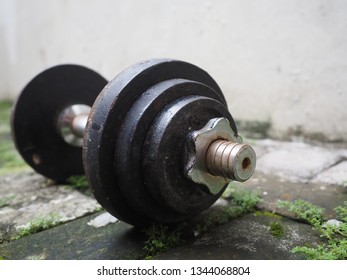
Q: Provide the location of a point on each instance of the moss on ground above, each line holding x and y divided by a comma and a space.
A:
5, 201
10, 160
268, 214
276, 229
334, 235
37, 225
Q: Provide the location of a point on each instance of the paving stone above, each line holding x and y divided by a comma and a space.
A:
273, 188
248, 238
336, 175
77, 240
296, 161
28, 197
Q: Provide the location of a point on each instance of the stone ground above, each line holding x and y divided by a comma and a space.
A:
74, 226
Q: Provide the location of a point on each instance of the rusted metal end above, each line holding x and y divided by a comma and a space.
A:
231, 160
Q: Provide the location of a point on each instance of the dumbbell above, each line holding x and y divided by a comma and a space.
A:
158, 143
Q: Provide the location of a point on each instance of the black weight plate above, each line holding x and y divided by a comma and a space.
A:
106, 119
164, 150
34, 118
128, 157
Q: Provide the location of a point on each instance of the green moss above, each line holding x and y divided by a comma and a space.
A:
341, 211
5, 201
231, 188
304, 210
38, 225
276, 230
161, 238
5, 112
81, 184
10, 160
99, 209
334, 238
245, 199
78, 181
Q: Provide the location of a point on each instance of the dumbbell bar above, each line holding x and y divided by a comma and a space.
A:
159, 143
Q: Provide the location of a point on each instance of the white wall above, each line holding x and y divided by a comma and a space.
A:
279, 61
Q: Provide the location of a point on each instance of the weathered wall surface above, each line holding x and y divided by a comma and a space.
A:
282, 63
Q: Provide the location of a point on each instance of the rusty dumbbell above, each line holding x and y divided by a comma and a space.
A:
157, 143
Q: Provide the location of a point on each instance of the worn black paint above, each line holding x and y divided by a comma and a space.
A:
35, 113
122, 126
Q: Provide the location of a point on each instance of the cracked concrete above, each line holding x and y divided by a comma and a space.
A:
297, 161
335, 175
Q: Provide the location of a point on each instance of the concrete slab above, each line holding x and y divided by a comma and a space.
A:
248, 238
336, 175
78, 240
273, 188
27, 197
296, 161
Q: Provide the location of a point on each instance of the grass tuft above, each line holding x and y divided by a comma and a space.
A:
276, 229
334, 237
160, 239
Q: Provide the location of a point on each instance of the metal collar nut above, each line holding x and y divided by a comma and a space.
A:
216, 156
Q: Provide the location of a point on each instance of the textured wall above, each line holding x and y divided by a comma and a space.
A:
281, 63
